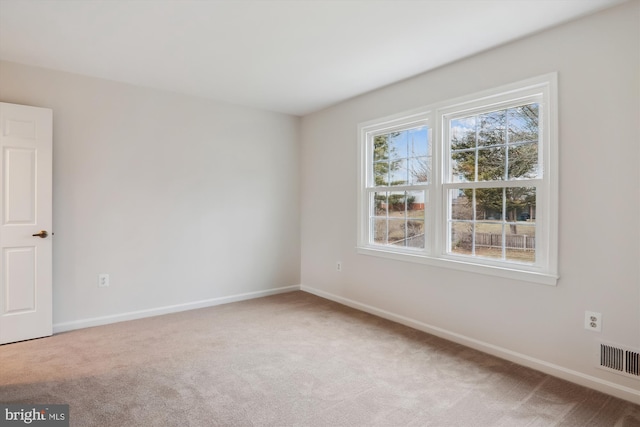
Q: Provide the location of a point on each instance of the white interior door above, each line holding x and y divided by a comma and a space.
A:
25, 222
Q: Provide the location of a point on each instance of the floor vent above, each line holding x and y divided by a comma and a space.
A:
621, 360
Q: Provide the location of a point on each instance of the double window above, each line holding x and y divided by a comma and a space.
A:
468, 184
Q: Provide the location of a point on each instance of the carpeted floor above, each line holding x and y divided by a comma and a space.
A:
288, 360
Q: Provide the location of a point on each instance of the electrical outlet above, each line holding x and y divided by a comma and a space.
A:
103, 280
338, 266
593, 321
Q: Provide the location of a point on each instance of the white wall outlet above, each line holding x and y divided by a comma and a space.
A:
338, 266
593, 321
103, 280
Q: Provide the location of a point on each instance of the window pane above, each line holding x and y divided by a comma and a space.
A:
521, 243
378, 221
414, 226
398, 172
520, 230
491, 164
381, 173
461, 237
492, 128
418, 142
521, 204
408, 233
379, 230
381, 148
398, 145
416, 204
419, 170
415, 233
397, 203
396, 232
489, 203
523, 161
488, 239
463, 166
461, 207
462, 133
523, 123
379, 204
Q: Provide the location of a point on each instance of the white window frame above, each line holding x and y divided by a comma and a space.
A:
541, 89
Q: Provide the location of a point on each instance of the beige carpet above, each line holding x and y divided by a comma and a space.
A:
288, 360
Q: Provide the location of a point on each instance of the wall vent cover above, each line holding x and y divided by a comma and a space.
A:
620, 360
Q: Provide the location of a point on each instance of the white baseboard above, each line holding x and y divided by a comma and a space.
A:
104, 320
580, 378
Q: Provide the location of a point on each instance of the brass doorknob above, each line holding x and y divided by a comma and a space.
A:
43, 234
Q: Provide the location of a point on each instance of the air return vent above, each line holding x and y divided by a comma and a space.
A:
621, 360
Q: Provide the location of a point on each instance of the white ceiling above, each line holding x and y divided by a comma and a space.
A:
289, 56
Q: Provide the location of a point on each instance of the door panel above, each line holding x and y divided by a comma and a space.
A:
26, 197
19, 186
19, 266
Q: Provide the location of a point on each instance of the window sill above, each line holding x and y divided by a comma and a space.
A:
509, 273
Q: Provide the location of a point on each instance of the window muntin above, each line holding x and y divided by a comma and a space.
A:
400, 164
498, 148
401, 157
489, 187
496, 223
494, 146
397, 219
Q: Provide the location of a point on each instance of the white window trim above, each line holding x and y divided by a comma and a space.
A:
545, 270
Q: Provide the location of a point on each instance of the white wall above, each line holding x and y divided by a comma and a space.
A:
598, 65
179, 199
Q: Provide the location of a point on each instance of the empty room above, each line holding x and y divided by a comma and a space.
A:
320, 213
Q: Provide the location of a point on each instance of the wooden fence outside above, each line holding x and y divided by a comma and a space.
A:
492, 240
